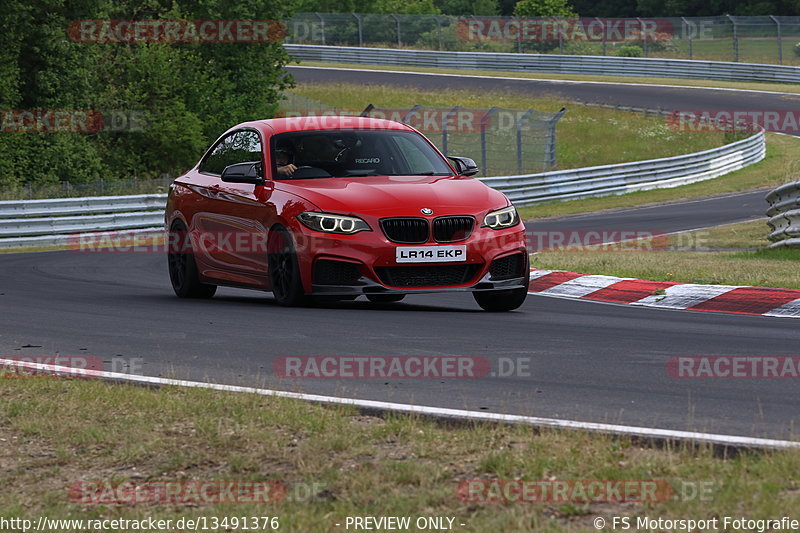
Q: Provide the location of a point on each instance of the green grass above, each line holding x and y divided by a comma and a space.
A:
55, 432
95, 188
781, 165
716, 84
751, 50
585, 136
745, 260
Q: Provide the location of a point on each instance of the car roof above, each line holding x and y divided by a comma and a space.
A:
326, 122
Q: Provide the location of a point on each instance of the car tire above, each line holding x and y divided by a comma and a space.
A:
385, 298
284, 270
182, 266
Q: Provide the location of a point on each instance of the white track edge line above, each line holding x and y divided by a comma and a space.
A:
654, 433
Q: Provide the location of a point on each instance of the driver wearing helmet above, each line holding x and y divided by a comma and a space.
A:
283, 160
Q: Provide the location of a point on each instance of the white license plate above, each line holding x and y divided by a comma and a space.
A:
431, 254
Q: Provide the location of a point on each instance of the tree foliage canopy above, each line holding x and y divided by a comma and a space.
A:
183, 94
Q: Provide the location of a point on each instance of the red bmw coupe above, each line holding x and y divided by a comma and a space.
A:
339, 207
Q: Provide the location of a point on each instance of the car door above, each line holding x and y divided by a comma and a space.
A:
231, 233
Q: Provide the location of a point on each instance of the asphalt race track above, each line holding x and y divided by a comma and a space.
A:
665, 218
588, 361
624, 94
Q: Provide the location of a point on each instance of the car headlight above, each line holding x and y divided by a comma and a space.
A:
330, 223
502, 218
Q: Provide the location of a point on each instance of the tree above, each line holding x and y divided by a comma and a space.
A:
184, 93
468, 7
544, 8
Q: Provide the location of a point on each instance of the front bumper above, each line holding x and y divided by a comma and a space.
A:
374, 258
364, 285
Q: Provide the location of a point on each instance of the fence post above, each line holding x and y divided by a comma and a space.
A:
557, 28
689, 33
735, 39
397, 22
550, 151
644, 36
484, 123
603, 25
521, 119
445, 118
412, 110
780, 39
322, 26
360, 29
439, 31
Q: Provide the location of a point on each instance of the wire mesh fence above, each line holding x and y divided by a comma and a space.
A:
66, 189
502, 141
766, 39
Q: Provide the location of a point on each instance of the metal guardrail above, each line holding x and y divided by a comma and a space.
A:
31, 223
56, 222
559, 64
784, 213
606, 180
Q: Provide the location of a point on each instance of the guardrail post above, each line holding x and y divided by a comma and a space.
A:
521, 119
780, 39
484, 123
360, 29
689, 33
322, 27
735, 39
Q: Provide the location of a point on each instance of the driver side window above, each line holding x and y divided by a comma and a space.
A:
242, 146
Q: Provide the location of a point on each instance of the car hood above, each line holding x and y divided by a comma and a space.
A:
397, 195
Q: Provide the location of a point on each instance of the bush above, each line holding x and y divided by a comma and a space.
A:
797, 49
629, 51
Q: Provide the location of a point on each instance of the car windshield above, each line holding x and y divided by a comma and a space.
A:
347, 153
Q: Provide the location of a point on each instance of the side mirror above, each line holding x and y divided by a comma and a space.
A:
251, 172
465, 166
